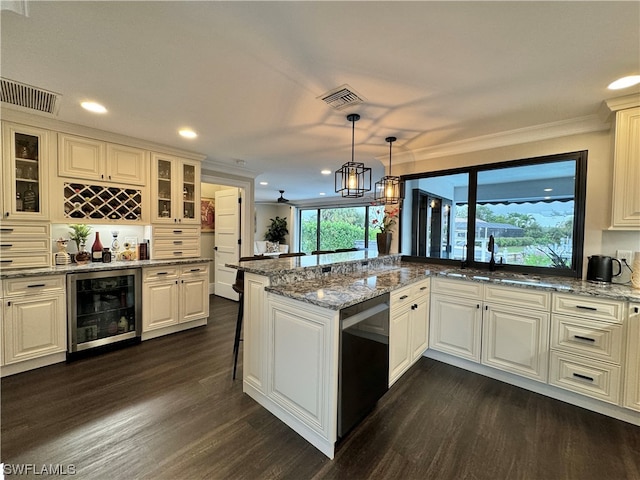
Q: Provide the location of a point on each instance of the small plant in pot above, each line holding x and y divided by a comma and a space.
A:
277, 230
79, 233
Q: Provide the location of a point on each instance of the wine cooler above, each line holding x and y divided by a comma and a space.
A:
104, 308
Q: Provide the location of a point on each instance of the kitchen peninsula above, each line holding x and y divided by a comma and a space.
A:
561, 337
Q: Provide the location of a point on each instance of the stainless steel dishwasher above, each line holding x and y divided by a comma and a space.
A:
363, 375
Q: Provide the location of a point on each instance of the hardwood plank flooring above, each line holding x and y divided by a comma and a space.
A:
168, 409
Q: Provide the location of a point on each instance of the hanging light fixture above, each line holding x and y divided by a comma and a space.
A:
353, 179
388, 188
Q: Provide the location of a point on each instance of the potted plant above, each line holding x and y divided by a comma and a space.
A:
277, 230
79, 233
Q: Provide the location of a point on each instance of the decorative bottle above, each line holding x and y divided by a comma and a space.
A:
29, 200
96, 249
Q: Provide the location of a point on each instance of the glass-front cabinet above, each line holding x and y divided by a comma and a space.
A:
175, 190
25, 173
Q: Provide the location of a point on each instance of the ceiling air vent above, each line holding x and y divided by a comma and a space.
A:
342, 97
26, 96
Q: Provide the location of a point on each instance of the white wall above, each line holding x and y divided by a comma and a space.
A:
597, 238
264, 212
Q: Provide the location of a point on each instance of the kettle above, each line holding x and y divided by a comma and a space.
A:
600, 268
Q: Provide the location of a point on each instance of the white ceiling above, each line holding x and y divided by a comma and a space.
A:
246, 75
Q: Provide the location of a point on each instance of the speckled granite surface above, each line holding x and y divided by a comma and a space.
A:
336, 291
95, 267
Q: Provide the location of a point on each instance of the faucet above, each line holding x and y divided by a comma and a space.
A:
491, 248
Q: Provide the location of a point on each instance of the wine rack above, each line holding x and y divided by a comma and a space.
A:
101, 202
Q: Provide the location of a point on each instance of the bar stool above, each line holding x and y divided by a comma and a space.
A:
238, 287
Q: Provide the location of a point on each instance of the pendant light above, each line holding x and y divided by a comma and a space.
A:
353, 179
388, 188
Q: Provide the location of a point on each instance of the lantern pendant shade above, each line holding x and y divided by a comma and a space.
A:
353, 179
387, 190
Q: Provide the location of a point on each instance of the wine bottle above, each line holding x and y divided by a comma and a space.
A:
96, 249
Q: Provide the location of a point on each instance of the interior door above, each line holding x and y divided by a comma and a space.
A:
227, 225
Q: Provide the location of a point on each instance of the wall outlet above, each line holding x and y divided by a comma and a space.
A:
626, 254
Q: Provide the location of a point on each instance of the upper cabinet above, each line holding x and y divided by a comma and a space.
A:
175, 190
626, 171
86, 158
25, 175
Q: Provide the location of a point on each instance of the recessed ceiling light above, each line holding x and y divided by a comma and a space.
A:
264, 183
94, 107
187, 133
322, 193
547, 198
548, 189
326, 172
624, 82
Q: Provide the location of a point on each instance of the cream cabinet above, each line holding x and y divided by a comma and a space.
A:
90, 159
632, 370
179, 241
408, 327
25, 245
173, 295
456, 318
587, 346
254, 366
626, 171
175, 190
34, 321
515, 331
25, 173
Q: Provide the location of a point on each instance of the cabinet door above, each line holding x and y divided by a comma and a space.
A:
632, 376
516, 340
399, 342
160, 305
80, 157
419, 327
34, 327
126, 165
26, 176
164, 174
194, 298
256, 335
455, 326
189, 192
626, 171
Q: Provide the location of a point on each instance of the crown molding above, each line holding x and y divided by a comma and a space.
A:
563, 128
237, 170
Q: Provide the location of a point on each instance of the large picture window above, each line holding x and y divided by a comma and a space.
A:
532, 209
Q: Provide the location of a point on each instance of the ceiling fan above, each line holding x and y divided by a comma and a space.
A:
282, 199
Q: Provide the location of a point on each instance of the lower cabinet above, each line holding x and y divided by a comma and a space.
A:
34, 322
174, 294
632, 374
408, 327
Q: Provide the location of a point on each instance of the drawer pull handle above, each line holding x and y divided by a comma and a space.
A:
423, 288
582, 307
194, 270
6, 261
583, 377
177, 242
162, 273
6, 245
6, 229
177, 253
36, 285
579, 337
404, 296
177, 231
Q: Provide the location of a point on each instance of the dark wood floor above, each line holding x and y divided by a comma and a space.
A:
168, 409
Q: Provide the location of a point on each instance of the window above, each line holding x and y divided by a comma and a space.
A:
533, 209
337, 228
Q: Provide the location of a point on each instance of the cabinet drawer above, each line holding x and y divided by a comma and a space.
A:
589, 377
25, 260
588, 307
34, 285
421, 288
173, 231
401, 297
597, 340
194, 269
461, 288
175, 253
160, 273
178, 243
26, 245
10, 230
518, 297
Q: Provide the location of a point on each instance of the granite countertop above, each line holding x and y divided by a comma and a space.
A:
95, 267
339, 291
